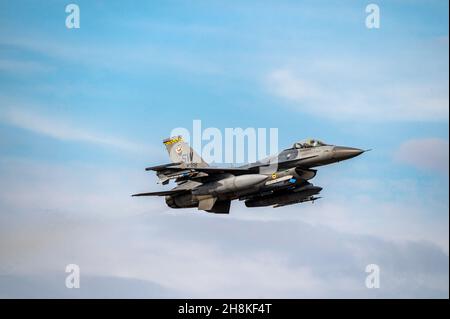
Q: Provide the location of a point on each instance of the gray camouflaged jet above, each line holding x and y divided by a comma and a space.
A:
276, 181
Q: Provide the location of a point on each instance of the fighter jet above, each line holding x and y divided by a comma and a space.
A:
276, 181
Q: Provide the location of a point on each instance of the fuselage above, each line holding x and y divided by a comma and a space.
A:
290, 169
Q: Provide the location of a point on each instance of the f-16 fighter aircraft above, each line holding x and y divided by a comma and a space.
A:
276, 181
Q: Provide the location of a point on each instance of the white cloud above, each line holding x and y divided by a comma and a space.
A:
288, 86
22, 66
425, 154
85, 215
203, 256
344, 99
63, 130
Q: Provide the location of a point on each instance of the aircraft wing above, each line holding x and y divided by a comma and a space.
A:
176, 167
182, 172
222, 170
163, 193
170, 171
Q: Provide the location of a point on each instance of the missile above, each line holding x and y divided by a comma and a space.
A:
282, 199
307, 199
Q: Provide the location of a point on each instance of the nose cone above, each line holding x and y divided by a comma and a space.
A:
341, 153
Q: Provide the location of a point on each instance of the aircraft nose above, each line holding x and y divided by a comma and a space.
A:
341, 153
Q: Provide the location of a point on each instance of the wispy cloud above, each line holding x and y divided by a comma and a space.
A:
141, 56
74, 207
22, 66
62, 129
363, 102
425, 154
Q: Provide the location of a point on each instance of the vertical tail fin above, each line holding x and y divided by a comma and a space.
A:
180, 151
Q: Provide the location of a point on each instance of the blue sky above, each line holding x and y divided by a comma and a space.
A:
82, 111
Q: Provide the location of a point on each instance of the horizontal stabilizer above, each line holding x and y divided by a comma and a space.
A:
161, 167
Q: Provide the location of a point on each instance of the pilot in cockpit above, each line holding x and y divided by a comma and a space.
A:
309, 143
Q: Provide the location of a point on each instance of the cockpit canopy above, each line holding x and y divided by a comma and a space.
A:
308, 143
